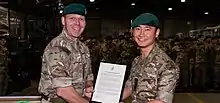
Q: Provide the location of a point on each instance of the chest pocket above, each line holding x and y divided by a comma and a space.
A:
150, 74
147, 83
78, 66
147, 76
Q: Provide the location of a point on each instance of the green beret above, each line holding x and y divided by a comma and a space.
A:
145, 19
75, 9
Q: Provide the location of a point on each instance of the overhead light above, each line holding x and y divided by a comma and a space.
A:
170, 9
132, 4
59, 4
183, 1
92, 0
61, 11
206, 13
188, 22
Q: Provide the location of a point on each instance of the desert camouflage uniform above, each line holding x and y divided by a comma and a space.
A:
179, 54
217, 65
181, 61
199, 72
108, 51
127, 51
3, 67
65, 62
154, 77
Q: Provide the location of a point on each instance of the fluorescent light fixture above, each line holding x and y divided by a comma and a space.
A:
132, 4
206, 13
183, 1
3, 2
92, 0
170, 9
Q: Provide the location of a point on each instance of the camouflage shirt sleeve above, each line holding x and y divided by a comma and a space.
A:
167, 82
90, 76
57, 60
128, 83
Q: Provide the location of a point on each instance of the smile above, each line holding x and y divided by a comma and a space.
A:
142, 39
75, 28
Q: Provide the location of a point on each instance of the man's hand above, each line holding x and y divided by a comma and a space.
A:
126, 93
88, 92
155, 101
88, 89
70, 95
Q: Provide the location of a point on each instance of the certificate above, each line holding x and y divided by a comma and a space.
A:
109, 83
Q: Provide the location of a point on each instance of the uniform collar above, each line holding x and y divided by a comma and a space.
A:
152, 52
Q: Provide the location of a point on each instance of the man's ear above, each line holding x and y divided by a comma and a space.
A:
157, 32
63, 20
131, 30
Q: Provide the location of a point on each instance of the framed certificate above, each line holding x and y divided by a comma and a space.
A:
109, 83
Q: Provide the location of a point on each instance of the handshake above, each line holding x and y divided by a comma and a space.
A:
88, 92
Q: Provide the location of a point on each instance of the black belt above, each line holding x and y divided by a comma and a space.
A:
53, 100
58, 100
45, 97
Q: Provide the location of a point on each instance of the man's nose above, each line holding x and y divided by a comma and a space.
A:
77, 22
142, 32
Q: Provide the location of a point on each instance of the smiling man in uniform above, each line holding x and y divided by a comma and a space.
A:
66, 65
153, 74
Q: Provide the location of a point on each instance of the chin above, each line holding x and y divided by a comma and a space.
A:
144, 45
75, 35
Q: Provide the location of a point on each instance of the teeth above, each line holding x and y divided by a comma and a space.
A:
141, 39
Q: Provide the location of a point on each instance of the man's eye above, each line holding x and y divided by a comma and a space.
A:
147, 29
71, 18
82, 19
137, 29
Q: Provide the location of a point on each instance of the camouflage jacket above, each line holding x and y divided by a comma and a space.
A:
154, 77
3, 56
217, 59
201, 53
179, 54
66, 62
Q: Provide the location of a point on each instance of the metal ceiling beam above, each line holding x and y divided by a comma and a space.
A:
44, 1
3, 9
3, 2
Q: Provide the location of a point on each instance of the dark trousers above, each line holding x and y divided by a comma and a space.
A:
200, 76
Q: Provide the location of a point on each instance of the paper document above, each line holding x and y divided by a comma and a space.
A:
109, 83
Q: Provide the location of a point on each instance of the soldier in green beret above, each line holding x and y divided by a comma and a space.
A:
66, 74
153, 74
